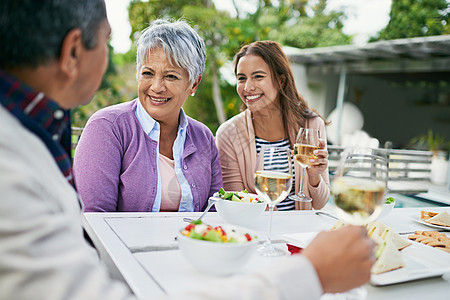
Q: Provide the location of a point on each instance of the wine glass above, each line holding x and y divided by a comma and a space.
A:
358, 189
273, 184
360, 184
306, 142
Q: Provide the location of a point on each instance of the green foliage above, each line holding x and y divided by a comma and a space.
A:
311, 32
108, 94
121, 87
415, 18
430, 141
284, 21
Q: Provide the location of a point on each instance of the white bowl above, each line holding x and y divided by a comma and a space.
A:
386, 210
214, 258
239, 213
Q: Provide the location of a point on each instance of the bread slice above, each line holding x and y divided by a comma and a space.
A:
337, 225
396, 238
389, 259
441, 219
376, 228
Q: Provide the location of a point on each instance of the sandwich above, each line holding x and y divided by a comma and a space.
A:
337, 225
388, 258
375, 229
441, 219
398, 241
380, 232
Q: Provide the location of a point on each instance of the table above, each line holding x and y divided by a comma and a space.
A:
140, 249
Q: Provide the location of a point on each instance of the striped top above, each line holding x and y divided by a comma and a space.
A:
279, 165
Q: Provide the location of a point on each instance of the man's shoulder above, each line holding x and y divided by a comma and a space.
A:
15, 144
10, 128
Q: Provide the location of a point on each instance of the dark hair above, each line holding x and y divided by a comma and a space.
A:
294, 108
32, 32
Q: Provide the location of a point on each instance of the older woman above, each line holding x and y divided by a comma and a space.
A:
146, 154
274, 112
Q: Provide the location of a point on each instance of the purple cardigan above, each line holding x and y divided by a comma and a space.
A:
115, 162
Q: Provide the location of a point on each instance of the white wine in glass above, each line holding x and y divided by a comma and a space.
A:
304, 153
358, 189
359, 185
273, 186
306, 143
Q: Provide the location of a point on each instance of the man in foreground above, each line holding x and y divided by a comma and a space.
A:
53, 56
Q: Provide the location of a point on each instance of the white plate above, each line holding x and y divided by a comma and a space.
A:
422, 261
418, 220
300, 239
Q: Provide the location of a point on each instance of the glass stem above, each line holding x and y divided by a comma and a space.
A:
301, 183
269, 232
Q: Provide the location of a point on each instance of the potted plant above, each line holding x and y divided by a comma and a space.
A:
440, 147
432, 142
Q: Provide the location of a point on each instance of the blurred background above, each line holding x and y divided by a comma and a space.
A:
301, 25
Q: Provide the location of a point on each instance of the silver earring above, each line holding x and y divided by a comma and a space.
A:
193, 94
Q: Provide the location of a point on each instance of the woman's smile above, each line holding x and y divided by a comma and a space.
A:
158, 100
253, 98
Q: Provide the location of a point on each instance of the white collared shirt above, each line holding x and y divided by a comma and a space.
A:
152, 128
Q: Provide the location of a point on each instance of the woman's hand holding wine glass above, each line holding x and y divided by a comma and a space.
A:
318, 164
311, 154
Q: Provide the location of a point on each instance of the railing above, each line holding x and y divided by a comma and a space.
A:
409, 171
76, 133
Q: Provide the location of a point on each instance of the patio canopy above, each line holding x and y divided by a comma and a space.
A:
421, 54
412, 59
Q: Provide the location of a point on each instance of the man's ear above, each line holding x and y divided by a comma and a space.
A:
71, 49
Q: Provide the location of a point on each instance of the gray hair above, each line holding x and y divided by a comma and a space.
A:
32, 31
184, 47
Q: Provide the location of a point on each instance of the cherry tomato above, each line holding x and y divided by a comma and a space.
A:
190, 227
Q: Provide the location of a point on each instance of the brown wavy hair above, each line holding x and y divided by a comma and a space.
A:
294, 108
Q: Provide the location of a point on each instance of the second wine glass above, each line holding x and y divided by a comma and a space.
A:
359, 185
306, 142
273, 184
358, 189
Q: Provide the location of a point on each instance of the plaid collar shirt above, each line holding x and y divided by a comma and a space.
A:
42, 116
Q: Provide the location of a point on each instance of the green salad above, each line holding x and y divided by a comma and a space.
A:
242, 196
389, 200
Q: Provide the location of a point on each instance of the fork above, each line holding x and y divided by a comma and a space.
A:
211, 201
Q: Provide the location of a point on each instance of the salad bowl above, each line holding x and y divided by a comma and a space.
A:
241, 212
217, 257
387, 207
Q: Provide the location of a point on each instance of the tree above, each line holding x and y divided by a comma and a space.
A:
415, 18
321, 29
284, 21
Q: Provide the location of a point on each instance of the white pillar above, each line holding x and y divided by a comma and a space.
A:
340, 102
